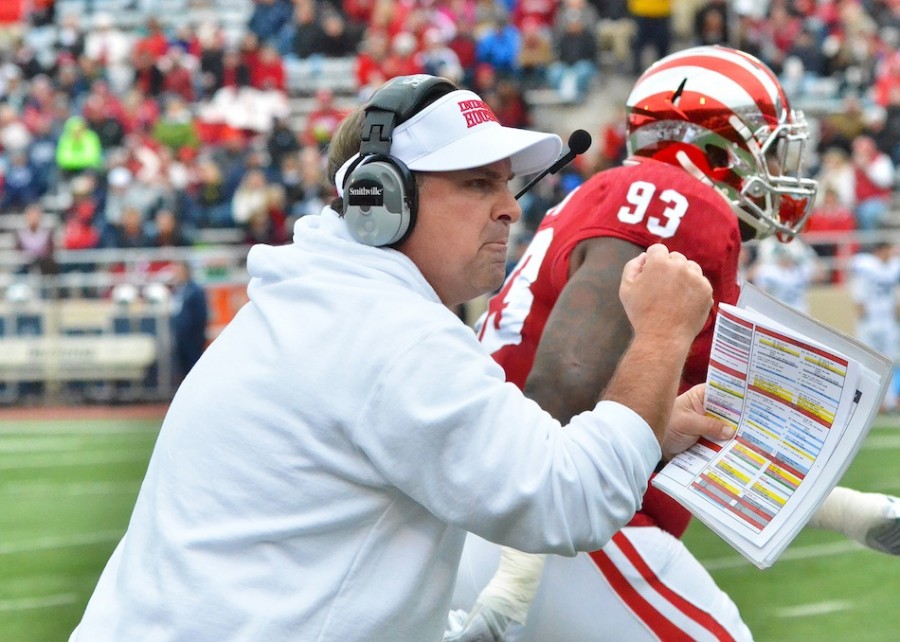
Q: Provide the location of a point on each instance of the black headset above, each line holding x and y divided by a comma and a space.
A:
380, 200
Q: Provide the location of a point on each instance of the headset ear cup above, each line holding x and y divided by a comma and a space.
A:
380, 201
379, 191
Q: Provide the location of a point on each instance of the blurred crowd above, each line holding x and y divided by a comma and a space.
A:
146, 135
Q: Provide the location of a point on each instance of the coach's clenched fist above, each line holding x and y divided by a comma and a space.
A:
665, 295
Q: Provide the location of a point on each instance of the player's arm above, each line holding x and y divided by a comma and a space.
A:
587, 331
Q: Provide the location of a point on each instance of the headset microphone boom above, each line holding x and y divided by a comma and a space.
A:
578, 143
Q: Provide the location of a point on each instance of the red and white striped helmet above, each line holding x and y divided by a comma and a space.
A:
722, 115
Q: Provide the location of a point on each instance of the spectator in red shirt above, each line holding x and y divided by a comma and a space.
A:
781, 30
147, 75
79, 232
154, 41
235, 73
179, 72
887, 78
323, 120
370, 73
508, 104
249, 46
267, 71
390, 16
465, 45
543, 11
829, 218
402, 60
874, 172
139, 112
612, 141
112, 105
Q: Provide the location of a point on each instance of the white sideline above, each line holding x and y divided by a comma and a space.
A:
19, 445
74, 459
52, 543
63, 426
69, 489
792, 554
813, 609
22, 603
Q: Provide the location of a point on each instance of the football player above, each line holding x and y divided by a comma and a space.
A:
874, 275
715, 159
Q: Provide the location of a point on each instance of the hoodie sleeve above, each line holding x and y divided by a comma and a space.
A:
453, 435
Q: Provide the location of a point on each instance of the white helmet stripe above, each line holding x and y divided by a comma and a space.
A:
733, 65
727, 91
770, 85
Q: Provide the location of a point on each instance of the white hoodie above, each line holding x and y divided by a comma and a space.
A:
318, 468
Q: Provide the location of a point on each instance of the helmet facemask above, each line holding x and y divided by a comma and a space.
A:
776, 198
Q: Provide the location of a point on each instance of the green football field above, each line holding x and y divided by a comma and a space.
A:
67, 488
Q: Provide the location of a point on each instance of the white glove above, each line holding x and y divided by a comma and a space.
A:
885, 536
481, 625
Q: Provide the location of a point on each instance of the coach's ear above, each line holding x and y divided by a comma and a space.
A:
689, 422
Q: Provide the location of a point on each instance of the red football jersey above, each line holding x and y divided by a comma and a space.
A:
644, 203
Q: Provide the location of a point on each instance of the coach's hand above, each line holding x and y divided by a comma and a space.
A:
688, 423
666, 296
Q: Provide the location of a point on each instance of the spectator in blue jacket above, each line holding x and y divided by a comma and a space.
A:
499, 47
269, 17
190, 314
20, 185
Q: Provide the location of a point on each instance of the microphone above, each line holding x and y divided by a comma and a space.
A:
579, 141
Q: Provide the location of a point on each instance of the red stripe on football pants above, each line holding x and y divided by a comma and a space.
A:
658, 623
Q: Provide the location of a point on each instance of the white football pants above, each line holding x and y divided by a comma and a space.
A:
643, 585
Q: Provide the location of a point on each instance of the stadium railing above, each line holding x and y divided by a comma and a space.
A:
99, 329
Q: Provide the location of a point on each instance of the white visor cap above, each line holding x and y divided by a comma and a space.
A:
459, 131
